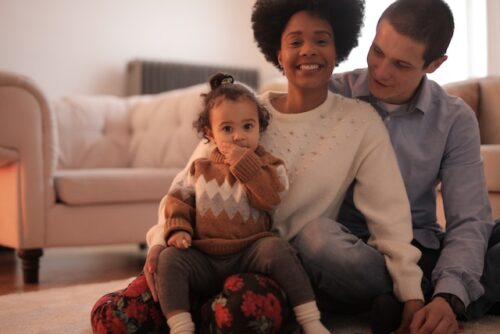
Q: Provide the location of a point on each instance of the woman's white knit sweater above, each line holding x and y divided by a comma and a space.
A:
325, 150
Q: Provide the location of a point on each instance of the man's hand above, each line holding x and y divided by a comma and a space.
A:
437, 317
410, 308
150, 268
232, 153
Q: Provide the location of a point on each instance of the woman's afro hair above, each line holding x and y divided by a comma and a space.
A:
270, 17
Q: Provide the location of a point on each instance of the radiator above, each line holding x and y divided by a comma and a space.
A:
151, 77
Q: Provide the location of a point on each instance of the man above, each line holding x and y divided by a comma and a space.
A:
436, 139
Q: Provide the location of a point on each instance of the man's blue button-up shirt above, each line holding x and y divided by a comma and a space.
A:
436, 140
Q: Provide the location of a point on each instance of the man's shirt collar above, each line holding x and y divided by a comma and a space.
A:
421, 100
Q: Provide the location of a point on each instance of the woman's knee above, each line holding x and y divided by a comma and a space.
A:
330, 253
324, 240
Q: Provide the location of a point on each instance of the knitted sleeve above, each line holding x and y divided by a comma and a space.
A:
180, 204
379, 193
156, 235
264, 178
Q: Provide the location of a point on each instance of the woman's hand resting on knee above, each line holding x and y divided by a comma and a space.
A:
150, 268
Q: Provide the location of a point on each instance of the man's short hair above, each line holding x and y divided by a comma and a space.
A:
426, 21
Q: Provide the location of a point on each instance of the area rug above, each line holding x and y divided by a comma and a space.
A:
59, 310
67, 310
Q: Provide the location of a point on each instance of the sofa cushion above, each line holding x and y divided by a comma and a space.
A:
93, 131
491, 159
468, 91
162, 128
109, 185
489, 120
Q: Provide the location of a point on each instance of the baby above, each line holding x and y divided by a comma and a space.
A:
218, 213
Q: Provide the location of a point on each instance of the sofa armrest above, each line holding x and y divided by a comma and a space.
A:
491, 160
26, 128
8, 156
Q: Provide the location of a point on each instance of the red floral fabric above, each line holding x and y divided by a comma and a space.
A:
248, 303
131, 310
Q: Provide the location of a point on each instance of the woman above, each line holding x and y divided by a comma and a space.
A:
327, 143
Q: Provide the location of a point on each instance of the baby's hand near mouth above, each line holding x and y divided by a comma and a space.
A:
232, 152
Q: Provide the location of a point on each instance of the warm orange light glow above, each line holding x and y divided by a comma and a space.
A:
9, 205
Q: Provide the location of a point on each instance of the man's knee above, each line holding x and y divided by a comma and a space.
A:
491, 274
495, 235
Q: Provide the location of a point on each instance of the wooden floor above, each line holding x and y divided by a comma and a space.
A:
60, 267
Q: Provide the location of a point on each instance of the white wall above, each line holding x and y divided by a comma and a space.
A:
493, 36
82, 46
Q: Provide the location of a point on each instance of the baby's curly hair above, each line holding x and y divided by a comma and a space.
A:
270, 17
222, 86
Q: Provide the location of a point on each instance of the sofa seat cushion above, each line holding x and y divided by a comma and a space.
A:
112, 185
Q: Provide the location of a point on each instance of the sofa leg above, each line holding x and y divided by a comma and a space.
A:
31, 260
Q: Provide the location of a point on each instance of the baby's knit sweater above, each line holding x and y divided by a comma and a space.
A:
226, 208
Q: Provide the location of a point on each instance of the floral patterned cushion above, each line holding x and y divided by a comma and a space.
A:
131, 310
248, 303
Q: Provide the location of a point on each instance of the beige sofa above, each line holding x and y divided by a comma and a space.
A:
483, 96
86, 170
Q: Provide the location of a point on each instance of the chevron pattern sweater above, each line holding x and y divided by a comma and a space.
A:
226, 208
